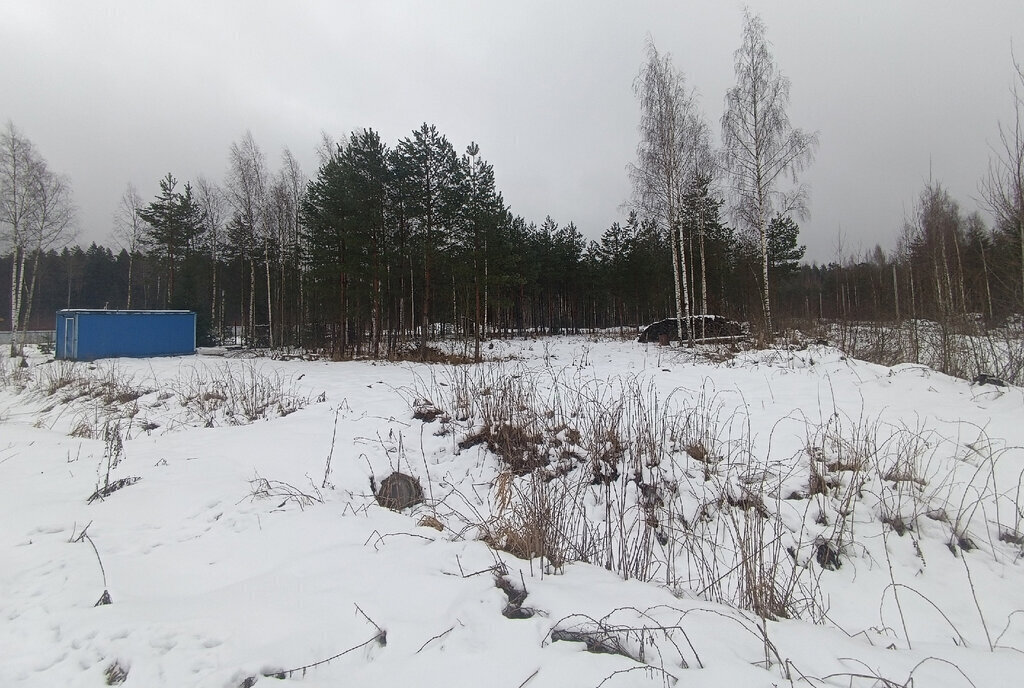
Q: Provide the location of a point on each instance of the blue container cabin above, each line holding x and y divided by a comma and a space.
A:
88, 334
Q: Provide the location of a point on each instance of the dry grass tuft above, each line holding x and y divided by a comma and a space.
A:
282, 493
898, 523
431, 354
698, 452
431, 522
519, 449
675, 490
426, 411
116, 673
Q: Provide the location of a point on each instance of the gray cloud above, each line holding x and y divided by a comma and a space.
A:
113, 92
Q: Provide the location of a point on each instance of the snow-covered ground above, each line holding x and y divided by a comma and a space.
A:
874, 513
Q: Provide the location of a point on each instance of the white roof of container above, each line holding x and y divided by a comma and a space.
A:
156, 311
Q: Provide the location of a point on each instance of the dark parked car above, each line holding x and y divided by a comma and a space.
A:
704, 327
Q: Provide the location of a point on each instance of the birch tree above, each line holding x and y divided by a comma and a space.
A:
18, 157
672, 137
761, 149
129, 230
213, 205
36, 214
50, 226
247, 192
293, 180
1003, 187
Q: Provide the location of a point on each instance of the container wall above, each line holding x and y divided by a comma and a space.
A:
108, 334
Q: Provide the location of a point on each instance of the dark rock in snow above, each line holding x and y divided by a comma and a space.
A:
398, 491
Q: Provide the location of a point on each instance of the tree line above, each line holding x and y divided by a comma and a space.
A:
390, 244
385, 247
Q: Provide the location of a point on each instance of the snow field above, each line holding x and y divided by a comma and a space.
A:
240, 553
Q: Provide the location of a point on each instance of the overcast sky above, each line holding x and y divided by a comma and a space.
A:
118, 92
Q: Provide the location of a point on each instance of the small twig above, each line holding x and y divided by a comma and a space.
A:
529, 678
910, 676
374, 623
436, 637
80, 535
105, 597
896, 596
645, 667
934, 606
262, 488
102, 570
891, 683
381, 639
288, 672
330, 454
426, 471
1009, 620
380, 538
109, 488
977, 605
887, 683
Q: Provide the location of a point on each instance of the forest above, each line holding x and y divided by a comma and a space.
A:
389, 244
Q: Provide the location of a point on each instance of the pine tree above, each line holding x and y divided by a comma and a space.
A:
366, 176
784, 253
428, 170
174, 222
324, 211
483, 210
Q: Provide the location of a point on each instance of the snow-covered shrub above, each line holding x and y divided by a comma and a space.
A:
90, 395
674, 489
14, 372
612, 474
962, 348
236, 395
58, 375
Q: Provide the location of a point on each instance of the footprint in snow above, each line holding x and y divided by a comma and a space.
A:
164, 644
